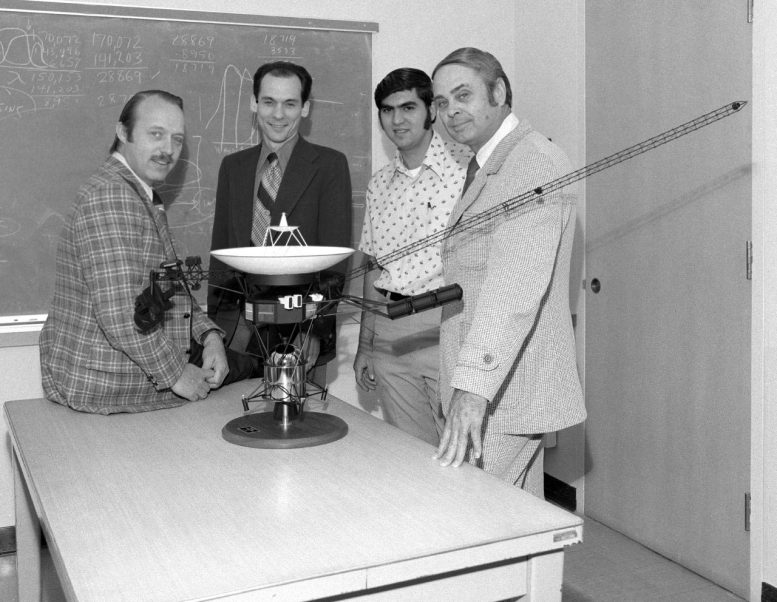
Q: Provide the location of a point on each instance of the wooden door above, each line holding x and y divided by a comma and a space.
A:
668, 333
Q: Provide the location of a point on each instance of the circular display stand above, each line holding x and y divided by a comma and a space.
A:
265, 431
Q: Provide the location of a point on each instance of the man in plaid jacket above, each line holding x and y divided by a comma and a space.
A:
94, 357
508, 371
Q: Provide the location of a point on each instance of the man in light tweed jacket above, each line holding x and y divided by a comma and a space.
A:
94, 357
508, 373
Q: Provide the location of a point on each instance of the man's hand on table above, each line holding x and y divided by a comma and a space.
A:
193, 383
464, 420
214, 358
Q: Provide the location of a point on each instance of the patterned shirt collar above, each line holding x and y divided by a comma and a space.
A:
283, 153
435, 158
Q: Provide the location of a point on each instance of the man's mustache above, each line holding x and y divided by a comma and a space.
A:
163, 158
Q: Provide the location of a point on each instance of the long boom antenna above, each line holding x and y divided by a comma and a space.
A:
536, 194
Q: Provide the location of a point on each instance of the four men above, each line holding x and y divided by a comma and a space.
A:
507, 360
407, 201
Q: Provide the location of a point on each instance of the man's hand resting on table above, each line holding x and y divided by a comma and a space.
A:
193, 383
464, 420
214, 358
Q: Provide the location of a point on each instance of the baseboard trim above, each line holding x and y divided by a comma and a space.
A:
7, 540
768, 593
561, 494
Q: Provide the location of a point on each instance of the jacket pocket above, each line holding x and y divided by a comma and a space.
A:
471, 246
107, 359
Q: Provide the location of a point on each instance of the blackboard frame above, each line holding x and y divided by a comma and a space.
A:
165, 14
24, 319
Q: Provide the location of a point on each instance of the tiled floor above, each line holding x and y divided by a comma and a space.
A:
607, 567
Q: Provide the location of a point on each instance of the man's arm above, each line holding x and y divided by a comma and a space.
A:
334, 230
111, 231
514, 283
335, 213
516, 275
514, 278
503, 318
362, 364
218, 272
193, 384
214, 358
464, 420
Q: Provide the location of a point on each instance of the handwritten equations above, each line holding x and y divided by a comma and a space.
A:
64, 79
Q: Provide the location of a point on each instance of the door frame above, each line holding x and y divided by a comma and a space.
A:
763, 487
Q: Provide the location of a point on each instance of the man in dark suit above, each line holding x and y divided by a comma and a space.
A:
287, 174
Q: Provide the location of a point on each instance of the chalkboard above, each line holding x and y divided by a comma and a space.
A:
67, 70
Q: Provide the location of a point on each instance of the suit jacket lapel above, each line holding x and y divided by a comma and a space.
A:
158, 217
243, 184
297, 176
492, 166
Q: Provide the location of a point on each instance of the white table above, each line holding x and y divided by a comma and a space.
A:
158, 506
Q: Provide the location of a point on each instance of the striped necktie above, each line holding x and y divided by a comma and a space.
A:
265, 197
162, 225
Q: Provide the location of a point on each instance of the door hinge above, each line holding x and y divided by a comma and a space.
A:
749, 259
747, 512
750, 10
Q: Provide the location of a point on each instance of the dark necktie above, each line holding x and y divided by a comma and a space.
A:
472, 169
164, 228
265, 197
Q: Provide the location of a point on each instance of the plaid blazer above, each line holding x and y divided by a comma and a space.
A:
510, 338
93, 357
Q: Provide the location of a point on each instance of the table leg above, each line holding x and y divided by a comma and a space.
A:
545, 575
28, 540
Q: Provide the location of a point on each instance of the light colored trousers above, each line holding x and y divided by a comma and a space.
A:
517, 459
406, 362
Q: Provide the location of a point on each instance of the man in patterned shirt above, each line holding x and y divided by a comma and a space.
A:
407, 200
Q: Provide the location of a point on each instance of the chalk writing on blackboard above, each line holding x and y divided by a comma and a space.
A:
64, 79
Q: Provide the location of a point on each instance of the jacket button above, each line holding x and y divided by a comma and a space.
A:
187, 315
488, 358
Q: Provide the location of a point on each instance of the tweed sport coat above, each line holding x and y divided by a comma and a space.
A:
93, 357
510, 338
